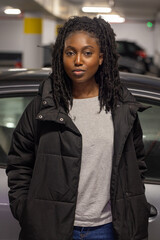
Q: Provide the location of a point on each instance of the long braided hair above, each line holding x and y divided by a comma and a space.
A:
107, 75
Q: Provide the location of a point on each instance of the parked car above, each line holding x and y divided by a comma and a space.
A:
16, 91
133, 58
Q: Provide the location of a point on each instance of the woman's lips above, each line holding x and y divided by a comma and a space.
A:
78, 72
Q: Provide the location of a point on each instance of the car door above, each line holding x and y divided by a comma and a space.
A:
150, 122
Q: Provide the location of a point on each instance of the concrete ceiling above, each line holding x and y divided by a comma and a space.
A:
26, 6
140, 9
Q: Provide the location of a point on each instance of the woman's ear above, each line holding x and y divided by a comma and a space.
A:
100, 58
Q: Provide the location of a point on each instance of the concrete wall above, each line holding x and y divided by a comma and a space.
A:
157, 41
11, 35
12, 38
138, 32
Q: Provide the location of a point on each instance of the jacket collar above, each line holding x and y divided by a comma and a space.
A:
49, 111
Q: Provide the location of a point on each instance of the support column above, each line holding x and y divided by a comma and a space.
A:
33, 55
48, 40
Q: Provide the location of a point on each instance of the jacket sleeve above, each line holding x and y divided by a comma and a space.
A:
21, 159
139, 146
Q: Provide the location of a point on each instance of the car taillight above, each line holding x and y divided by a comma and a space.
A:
141, 53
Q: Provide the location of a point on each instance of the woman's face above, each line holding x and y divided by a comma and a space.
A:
81, 57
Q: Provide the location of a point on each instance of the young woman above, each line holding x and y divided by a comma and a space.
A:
76, 161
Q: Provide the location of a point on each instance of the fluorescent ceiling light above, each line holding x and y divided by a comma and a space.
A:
112, 18
14, 11
96, 9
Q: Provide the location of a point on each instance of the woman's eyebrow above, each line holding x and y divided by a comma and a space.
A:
87, 46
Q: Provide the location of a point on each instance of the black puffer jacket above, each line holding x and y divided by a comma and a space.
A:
44, 165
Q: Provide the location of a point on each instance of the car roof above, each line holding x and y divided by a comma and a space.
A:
24, 75
130, 43
31, 78
144, 82
21, 81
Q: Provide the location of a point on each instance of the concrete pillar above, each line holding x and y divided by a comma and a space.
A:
33, 55
49, 31
48, 39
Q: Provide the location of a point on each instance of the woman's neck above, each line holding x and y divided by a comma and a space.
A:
85, 90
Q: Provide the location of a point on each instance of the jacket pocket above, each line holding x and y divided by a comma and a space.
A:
43, 219
131, 218
138, 215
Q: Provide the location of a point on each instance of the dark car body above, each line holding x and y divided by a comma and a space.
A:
16, 91
133, 58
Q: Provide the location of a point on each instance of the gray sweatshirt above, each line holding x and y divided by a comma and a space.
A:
93, 203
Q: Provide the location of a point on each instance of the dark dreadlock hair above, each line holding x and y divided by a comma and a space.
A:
107, 75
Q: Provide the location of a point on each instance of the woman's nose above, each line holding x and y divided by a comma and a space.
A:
78, 60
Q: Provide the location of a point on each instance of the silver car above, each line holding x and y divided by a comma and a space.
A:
16, 91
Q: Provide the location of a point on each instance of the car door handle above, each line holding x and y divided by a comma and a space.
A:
153, 211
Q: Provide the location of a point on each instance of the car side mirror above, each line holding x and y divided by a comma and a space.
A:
153, 211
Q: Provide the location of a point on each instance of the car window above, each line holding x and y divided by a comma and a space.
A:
121, 48
150, 122
131, 47
10, 111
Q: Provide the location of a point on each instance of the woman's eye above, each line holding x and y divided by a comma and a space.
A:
70, 53
88, 53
